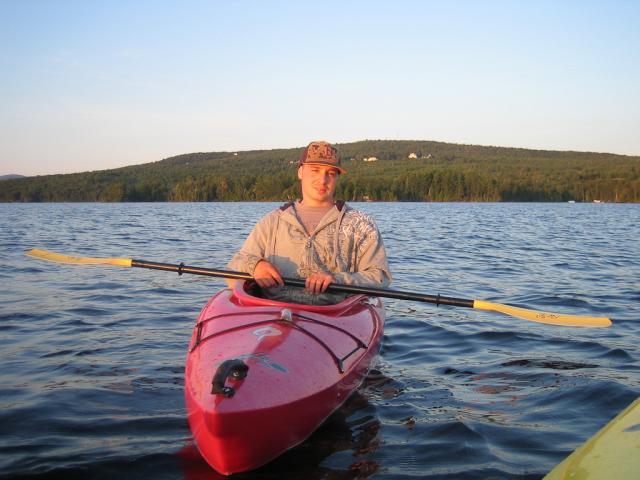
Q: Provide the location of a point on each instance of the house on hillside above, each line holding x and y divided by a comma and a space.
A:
371, 159
413, 155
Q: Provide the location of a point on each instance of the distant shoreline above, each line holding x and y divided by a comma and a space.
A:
378, 170
348, 201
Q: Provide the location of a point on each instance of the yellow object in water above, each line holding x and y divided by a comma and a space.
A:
60, 258
612, 453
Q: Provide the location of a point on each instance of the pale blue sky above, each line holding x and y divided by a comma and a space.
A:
91, 85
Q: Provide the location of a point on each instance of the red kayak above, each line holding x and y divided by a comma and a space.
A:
262, 375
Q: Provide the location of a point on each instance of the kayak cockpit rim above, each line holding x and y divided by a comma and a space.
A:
288, 320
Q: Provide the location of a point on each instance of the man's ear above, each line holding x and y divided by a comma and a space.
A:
299, 172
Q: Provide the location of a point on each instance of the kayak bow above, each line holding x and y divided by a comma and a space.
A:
613, 452
262, 375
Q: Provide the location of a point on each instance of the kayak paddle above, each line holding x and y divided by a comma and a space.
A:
523, 313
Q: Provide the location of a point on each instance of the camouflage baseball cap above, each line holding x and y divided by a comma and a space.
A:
321, 153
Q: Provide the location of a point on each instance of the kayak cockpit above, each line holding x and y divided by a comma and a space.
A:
248, 294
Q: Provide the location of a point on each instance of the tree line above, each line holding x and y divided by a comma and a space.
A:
401, 171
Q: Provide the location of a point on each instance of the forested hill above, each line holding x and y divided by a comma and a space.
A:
10, 176
377, 170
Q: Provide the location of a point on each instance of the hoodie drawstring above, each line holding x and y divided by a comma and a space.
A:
271, 250
336, 244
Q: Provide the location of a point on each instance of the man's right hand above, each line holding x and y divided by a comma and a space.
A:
266, 275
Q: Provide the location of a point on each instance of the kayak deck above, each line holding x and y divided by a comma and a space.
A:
262, 375
613, 452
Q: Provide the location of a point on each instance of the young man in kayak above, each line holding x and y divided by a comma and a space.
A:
317, 238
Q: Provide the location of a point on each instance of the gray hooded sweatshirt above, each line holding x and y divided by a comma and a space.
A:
346, 243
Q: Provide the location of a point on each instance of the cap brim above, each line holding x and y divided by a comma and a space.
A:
316, 162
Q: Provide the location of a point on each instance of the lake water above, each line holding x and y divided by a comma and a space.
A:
91, 382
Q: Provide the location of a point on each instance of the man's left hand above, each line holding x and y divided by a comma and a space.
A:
318, 282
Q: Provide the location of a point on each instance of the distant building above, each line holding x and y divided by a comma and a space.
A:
413, 155
371, 159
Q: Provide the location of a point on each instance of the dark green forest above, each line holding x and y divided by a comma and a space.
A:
439, 172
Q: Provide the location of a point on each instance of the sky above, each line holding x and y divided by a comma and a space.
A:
93, 85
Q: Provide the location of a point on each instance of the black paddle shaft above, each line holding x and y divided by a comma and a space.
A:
294, 282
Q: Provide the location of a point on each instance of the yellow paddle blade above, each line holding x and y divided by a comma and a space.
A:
60, 258
543, 317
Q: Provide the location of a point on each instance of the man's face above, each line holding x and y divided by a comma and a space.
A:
318, 184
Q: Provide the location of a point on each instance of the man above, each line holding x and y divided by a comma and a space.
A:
316, 238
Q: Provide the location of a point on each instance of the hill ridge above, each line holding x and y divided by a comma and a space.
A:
389, 170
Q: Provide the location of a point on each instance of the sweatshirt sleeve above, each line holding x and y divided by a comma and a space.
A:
253, 250
371, 266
